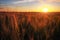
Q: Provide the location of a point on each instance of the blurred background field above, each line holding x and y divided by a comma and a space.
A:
30, 25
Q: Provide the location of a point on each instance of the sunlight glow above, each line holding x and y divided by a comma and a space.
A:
45, 10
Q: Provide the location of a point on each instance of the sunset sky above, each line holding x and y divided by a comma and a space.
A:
29, 5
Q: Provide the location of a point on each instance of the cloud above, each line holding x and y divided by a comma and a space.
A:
53, 0
49, 1
23, 1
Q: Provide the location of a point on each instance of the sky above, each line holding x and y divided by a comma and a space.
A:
29, 5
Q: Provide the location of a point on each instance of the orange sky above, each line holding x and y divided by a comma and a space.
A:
30, 6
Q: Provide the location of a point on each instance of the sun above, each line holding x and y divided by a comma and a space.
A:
45, 10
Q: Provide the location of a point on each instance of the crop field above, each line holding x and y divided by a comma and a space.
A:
29, 26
